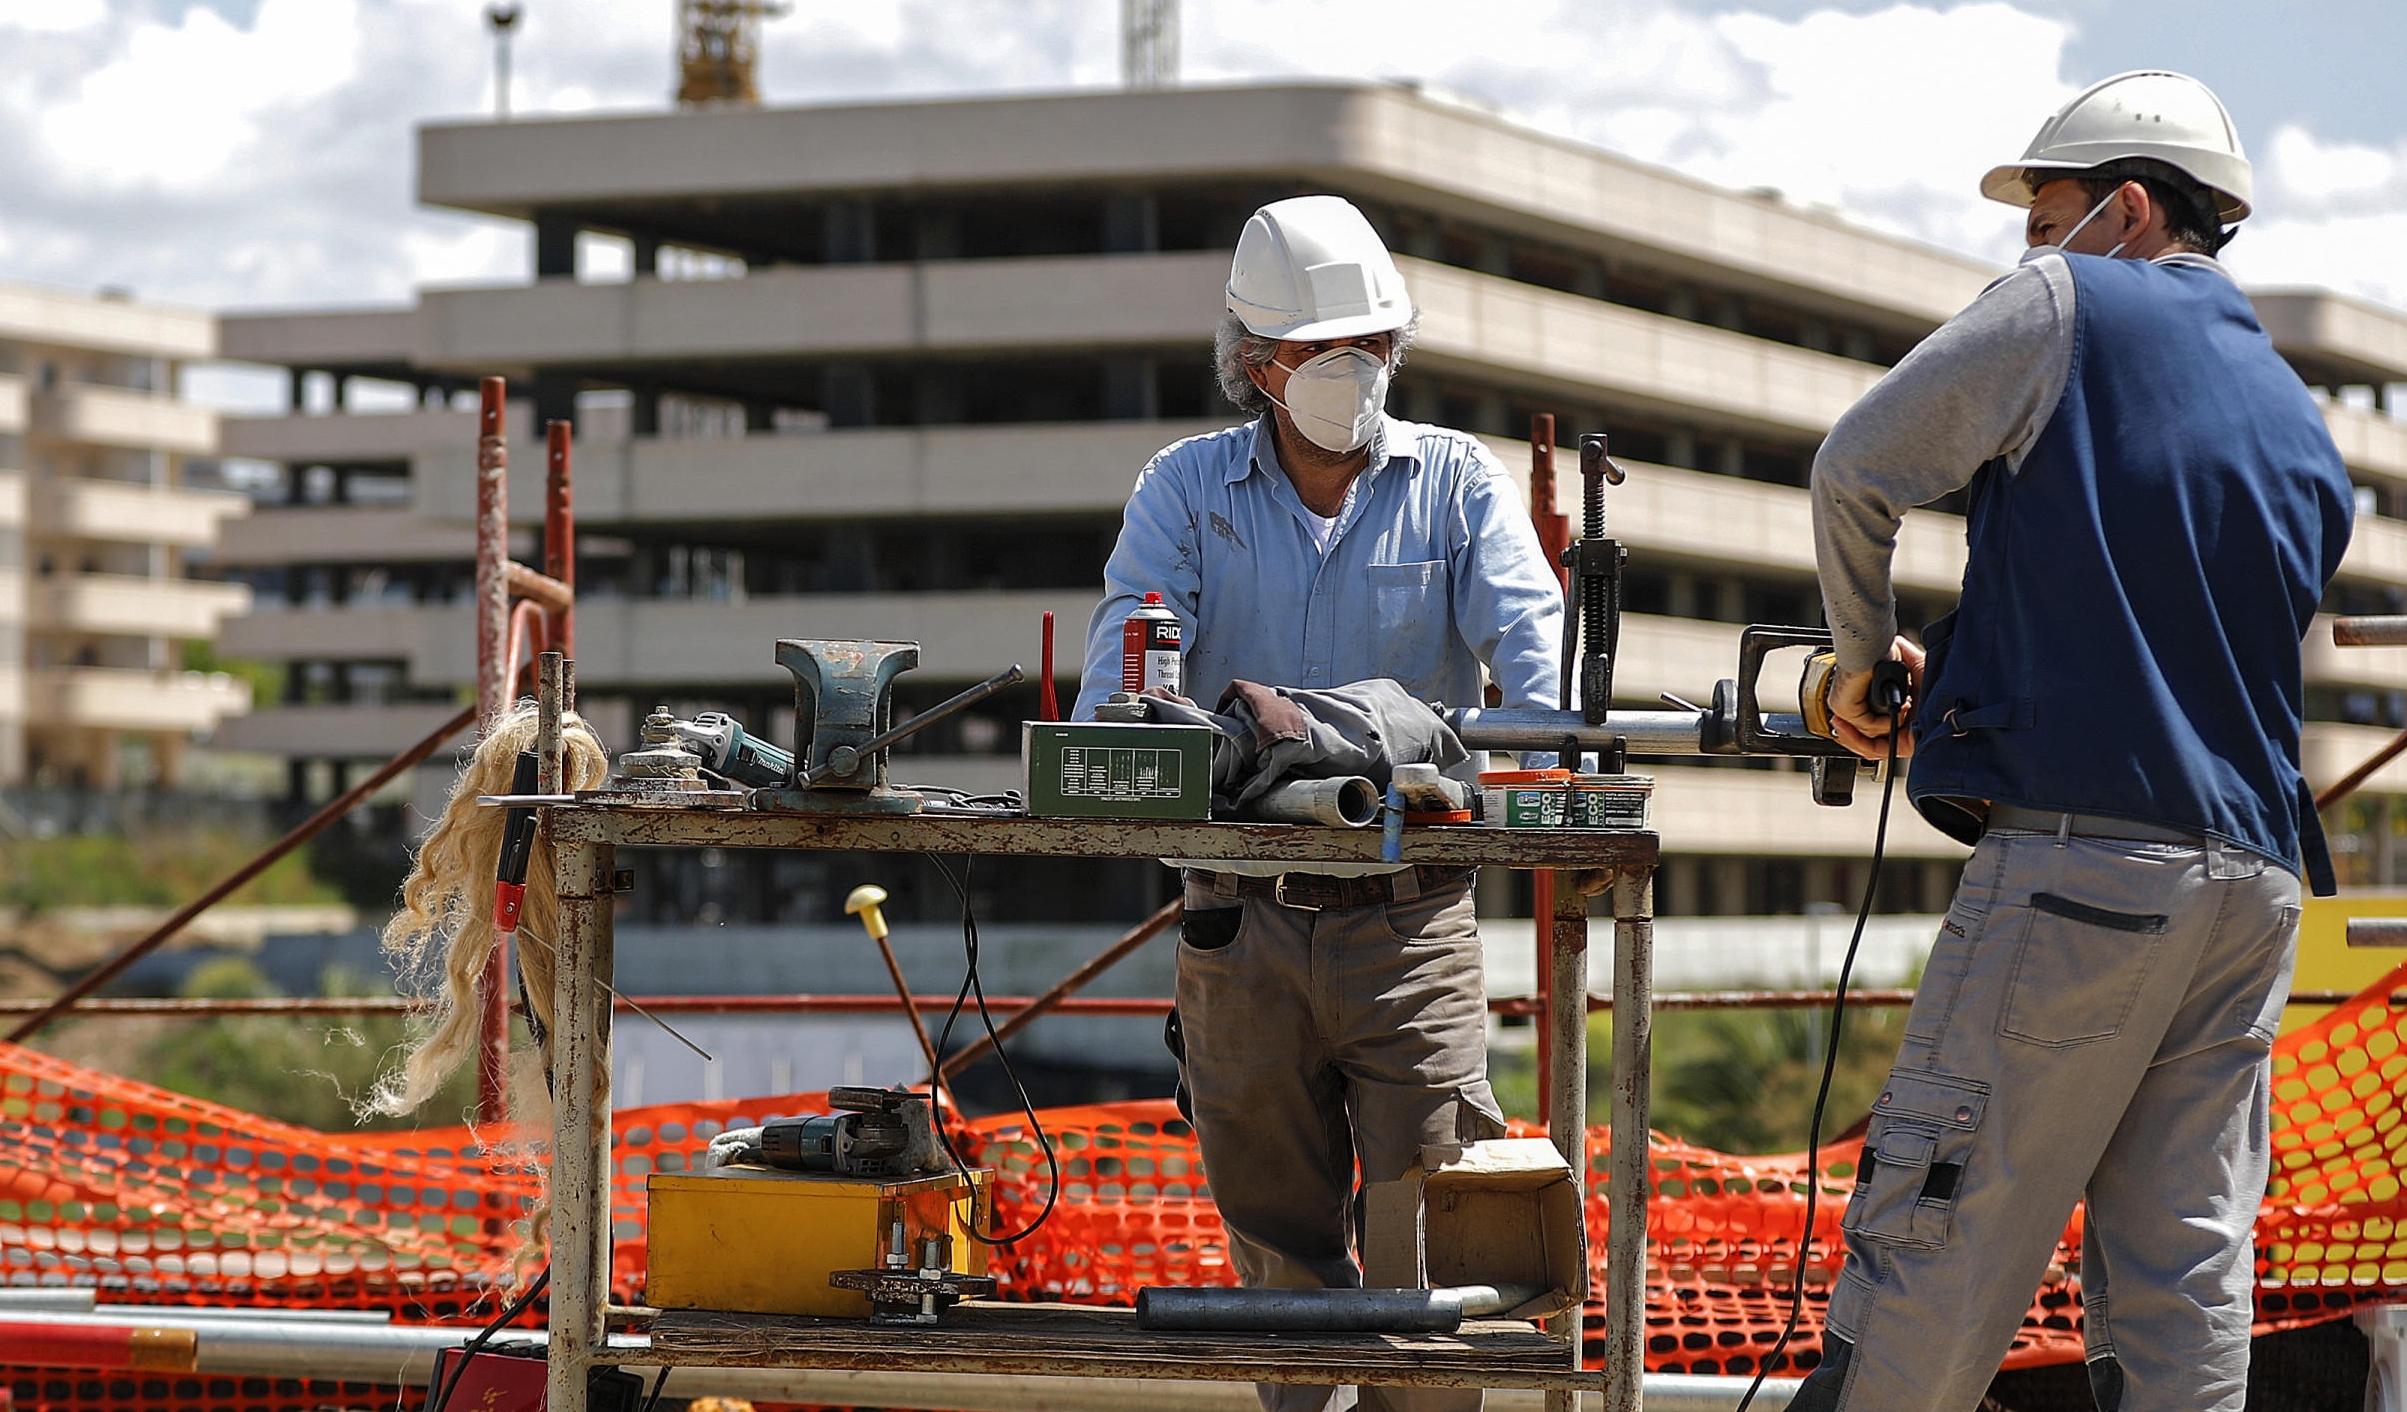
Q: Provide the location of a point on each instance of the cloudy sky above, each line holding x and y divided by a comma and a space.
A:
248, 153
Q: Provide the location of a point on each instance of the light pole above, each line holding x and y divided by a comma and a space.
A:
502, 19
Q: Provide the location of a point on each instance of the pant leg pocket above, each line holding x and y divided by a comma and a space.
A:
1915, 1153
2078, 968
1211, 930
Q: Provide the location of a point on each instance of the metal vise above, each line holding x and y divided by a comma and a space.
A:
843, 701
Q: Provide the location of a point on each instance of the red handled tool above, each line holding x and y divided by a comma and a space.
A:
517, 845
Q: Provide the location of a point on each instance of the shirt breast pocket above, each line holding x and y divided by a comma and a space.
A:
1411, 612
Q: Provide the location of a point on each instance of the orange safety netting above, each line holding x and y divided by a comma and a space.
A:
152, 1197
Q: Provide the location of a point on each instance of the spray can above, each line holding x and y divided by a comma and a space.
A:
1149, 648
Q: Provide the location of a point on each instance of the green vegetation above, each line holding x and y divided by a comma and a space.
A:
304, 1070
1738, 1081
158, 869
266, 678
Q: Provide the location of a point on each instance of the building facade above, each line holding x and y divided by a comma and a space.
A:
889, 371
103, 504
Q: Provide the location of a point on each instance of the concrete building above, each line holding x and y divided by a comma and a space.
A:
99, 513
888, 371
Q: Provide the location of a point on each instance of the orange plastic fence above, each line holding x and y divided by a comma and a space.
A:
153, 1197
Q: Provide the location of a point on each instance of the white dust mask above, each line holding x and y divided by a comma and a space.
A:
1335, 399
2058, 248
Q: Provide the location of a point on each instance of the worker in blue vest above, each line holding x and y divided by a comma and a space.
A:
2112, 715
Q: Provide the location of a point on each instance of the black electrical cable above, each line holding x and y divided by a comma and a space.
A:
973, 986
652, 1403
1889, 691
485, 1335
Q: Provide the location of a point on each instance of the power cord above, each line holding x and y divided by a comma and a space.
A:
973, 987
485, 1335
1889, 682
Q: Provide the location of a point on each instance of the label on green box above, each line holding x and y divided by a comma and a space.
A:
1116, 770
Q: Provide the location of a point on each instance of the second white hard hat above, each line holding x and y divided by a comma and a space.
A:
1311, 268
2151, 114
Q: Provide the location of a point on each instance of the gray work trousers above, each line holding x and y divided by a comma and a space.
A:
1316, 1040
2095, 1017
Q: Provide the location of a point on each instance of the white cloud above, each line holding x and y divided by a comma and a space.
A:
177, 106
51, 16
267, 158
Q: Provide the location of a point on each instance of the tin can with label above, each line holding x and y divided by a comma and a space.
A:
1524, 799
1610, 801
1150, 642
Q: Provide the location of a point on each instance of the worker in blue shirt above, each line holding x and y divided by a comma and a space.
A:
2112, 714
1337, 1016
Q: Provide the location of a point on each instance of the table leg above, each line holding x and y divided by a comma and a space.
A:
1628, 1181
1567, 1090
580, 1188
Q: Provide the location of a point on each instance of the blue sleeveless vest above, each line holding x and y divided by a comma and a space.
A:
2127, 643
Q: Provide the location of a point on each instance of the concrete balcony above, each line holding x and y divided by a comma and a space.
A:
353, 437
1722, 520
116, 416
126, 606
38, 315
335, 732
12, 405
680, 643
321, 338
2369, 442
344, 534
2332, 335
1561, 343
124, 513
1769, 812
124, 698
1372, 140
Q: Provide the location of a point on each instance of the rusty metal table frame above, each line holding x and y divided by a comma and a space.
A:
586, 839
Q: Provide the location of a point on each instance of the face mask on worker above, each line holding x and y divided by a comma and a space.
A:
1335, 398
2057, 248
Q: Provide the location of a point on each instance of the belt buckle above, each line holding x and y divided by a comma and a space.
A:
1278, 894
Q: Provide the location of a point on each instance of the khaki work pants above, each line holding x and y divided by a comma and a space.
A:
2095, 1019
1316, 1041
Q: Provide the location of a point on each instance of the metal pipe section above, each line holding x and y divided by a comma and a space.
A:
308, 829
560, 534
1566, 1096
2378, 630
284, 1344
1349, 802
1647, 732
1627, 1177
1163, 1308
1068, 986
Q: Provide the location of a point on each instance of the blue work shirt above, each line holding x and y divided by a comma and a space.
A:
1434, 569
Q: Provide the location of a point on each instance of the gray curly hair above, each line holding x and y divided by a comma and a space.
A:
1236, 348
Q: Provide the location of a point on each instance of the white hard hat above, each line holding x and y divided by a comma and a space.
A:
1311, 268
2150, 114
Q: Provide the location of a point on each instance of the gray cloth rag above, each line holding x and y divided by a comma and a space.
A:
1274, 733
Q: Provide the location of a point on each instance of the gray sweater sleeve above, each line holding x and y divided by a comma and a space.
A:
1982, 386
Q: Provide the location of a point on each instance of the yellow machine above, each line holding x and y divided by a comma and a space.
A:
755, 1240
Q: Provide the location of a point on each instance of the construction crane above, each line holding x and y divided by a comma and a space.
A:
1149, 43
718, 49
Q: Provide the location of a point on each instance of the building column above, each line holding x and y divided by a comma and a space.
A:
555, 246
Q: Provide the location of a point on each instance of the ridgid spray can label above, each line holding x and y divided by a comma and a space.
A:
1149, 646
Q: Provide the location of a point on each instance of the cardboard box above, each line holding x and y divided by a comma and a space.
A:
754, 1240
1490, 1213
1116, 770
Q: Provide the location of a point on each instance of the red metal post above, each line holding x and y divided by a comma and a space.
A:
493, 672
560, 533
1048, 706
1554, 538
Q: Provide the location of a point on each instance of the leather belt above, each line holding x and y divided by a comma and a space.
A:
1317, 892
2056, 821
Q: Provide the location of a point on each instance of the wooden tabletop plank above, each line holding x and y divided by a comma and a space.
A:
1082, 1341
1097, 838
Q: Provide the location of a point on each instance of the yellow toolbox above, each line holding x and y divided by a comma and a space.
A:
755, 1240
